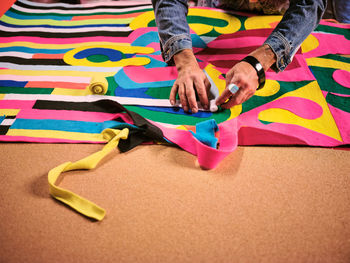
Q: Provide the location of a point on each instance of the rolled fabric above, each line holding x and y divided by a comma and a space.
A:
99, 85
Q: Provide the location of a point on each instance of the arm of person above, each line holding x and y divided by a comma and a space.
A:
301, 18
176, 46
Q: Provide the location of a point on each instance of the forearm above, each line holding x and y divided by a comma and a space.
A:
301, 18
173, 29
185, 59
265, 56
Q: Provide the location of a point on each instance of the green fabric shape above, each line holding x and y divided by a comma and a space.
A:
98, 58
159, 93
207, 21
17, 90
242, 19
257, 101
112, 85
199, 20
324, 77
342, 103
333, 30
337, 58
266, 122
177, 119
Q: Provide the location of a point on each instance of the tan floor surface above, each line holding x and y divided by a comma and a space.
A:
262, 204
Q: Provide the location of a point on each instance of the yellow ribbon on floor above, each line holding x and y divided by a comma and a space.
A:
75, 201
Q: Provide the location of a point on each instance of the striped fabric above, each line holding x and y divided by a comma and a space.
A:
51, 53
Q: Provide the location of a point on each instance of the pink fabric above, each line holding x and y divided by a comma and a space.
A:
66, 115
208, 157
41, 139
329, 44
342, 77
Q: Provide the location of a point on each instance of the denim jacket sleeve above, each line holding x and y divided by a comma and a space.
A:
301, 18
173, 29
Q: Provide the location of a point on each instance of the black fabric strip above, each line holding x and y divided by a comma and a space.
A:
68, 105
4, 129
146, 131
79, 7
31, 61
10, 117
66, 35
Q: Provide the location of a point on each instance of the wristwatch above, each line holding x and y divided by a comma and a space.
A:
259, 69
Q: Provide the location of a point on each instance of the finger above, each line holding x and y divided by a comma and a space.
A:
173, 93
248, 97
202, 93
229, 77
183, 98
207, 85
236, 99
225, 95
191, 96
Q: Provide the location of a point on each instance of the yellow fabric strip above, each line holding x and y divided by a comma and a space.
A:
8, 112
75, 201
78, 136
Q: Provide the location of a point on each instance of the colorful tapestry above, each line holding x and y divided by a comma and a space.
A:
58, 60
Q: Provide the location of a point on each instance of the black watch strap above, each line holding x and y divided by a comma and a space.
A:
259, 69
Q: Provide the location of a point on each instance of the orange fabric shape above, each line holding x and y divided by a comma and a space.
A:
5, 5
48, 56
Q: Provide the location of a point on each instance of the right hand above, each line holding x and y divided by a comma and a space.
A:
190, 79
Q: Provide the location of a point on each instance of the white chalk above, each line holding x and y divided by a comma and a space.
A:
213, 106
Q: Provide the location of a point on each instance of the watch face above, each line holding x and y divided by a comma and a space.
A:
258, 67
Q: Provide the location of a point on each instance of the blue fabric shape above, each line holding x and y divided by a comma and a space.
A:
124, 81
197, 41
205, 132
13, 83
113, 55
146, 39
34, 50
134, 93
118, 125
58, 125
69, 126
26, 17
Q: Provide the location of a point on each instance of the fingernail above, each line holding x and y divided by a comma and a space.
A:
185, 108
194, 110
172, 102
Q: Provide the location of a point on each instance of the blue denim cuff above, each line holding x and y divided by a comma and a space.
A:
174, 45
282, 49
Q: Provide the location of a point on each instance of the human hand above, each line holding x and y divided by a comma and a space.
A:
244, 76
190, 80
